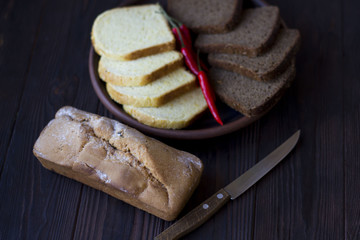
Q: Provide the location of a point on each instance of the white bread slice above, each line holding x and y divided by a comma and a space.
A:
131, 32
155, 93
140, 71
176, 114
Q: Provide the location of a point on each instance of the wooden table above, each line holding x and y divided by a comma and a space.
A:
313, 194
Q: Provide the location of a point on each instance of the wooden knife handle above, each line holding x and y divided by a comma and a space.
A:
196, 217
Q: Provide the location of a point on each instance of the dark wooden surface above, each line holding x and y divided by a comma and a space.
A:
313, 194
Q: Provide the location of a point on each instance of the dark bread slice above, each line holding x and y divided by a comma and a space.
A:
206, 16
264, 67
248, 96
251, 37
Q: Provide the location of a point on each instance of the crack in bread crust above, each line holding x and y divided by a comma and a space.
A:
132, 162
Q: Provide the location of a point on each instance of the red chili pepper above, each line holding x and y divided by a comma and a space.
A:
185, 33
203, 66
208, 95
187, 42
186, 52
182, 35
176, 34
183, 38
186, 36
190, 61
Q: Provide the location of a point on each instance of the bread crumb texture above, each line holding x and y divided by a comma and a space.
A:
155, 93
248, 96
119, 160
267, 66
140, 71
206, 16
131, 32
252, 36
177, 113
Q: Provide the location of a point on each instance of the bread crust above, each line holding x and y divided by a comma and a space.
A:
136, 54
225, 26
148, 101
119, 80
268, 75
147, 51
234, 48
119, 161
262, 108
153, 120
238, 49
268, 105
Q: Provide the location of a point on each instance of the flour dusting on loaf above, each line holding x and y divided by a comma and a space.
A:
119, 160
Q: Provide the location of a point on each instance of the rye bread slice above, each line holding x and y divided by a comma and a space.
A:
251, 37
248, 96
206, 16
264, 67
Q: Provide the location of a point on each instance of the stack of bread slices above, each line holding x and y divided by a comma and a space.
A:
253, 60
142, 70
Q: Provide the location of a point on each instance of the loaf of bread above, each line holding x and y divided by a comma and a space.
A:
140, 71
119, 160
129, 33
155, 93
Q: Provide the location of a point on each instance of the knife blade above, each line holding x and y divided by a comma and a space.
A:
209, 207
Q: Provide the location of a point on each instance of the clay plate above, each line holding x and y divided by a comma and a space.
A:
202, 128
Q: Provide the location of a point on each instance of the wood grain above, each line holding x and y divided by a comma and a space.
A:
15, 17
310, 203
313, 194
196, 217
351, 116
224, 161
45, 205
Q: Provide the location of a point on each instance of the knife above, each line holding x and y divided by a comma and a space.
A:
206, 209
